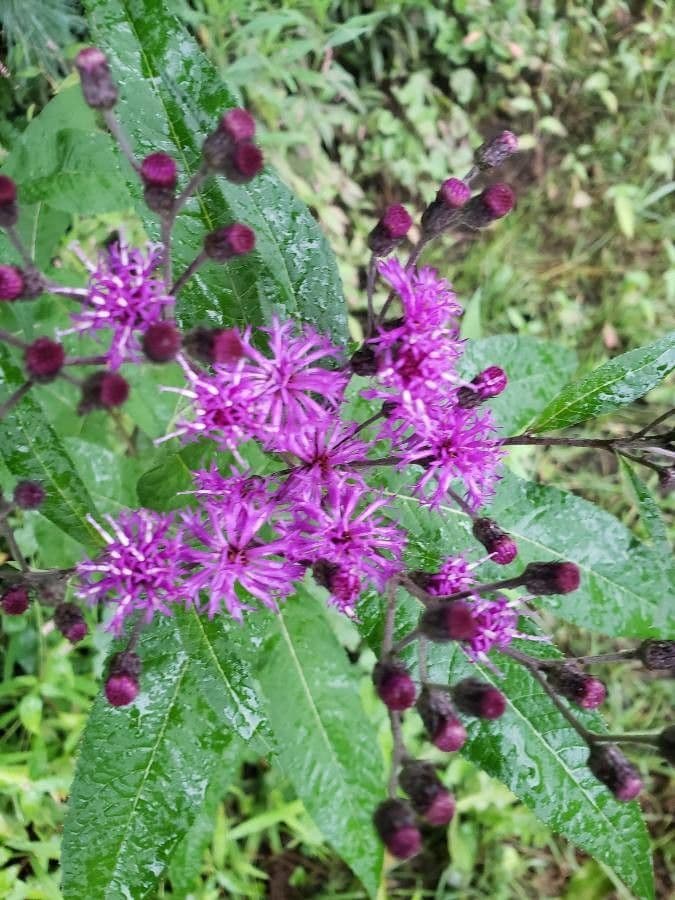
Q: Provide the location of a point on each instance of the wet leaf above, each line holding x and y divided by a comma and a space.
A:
650, 513
626, 586
612, 385
171, 97
326, 745
32, 450
144, 771
535, 369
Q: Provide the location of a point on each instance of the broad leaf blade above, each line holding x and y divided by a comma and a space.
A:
612, 385
626, 586
172, 108
326, 745
143, 773
535, 369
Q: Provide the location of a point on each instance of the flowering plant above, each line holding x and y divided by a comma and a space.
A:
284, 479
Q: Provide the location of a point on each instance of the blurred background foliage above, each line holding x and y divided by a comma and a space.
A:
362, 104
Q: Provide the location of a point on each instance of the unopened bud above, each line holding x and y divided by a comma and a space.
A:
657, 654
121, 687
103, 390
445, 730
429, 797
611, 767
477, 698
364, 361
70, 622
11, 283
501, 546
394, 686
225, 243
44, 359
395, 824
97, 85
487, 384
572, 682
450, 621
9, 211
546, 578
28, 494
238, 124
159, 170
494, 152
390, 230
15, 601
161, 342
493, 203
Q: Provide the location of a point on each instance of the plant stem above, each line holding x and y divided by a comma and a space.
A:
165, 237
115, 129
8, 338
549, 441
389, 617
198, 261
11, 402
17, 555
408, 639
652, 739
190, 188
653, 424
370, 288
398, 752
85, 361
19, 246
422, 659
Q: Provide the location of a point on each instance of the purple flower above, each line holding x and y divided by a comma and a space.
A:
455, 575
210, 483
497, 622
345, 530
123, 298
321, 452
229, 558
458, 446
139, 570
293, 390
429, 303
224, 405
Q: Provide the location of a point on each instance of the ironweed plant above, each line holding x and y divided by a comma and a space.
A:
293, 471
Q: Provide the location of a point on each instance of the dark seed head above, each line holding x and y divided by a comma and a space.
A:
28, 494
611, 767
44, 359
395, 824
15, 601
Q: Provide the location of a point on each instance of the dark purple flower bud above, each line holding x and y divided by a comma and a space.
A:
477, 698
245, 161
429, 798
551, 578
454, 193
449, 621
159, 170
394, 686
501, 546
44, 359
11, 283
233, 240
495, 151
70, 622
657, 654
227, 346
395, 824
493, 203
15, 601
611, 767
97, 85
445, 730
28, 494
364, 361
9, 211
103, 390
238, 124
489, 383
666, 744
121, 687
572, 682
161, 342
390, 230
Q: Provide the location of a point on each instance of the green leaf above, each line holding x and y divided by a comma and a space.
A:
535, 369
143, 772
626, 586
650, 513
612, 385
32, 450
171, 99
533, 750
326, 745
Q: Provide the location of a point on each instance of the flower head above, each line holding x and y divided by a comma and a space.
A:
138, 570
322, 451
123, 298
228, 556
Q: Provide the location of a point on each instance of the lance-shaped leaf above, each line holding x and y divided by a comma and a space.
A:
171, 98
612, 385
